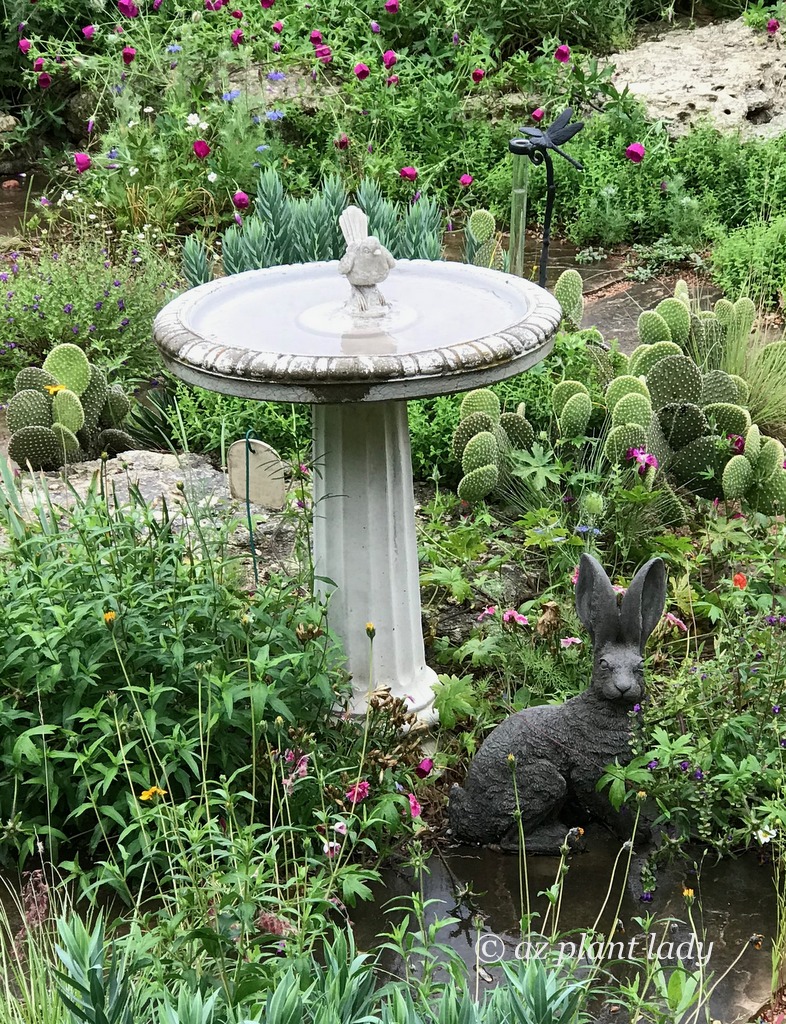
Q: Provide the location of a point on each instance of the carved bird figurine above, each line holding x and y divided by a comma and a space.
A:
366, 263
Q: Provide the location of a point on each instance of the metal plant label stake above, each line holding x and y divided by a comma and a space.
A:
537, 147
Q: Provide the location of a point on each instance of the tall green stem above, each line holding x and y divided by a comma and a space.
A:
518, 215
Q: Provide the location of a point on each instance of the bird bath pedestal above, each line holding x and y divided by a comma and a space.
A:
287, 334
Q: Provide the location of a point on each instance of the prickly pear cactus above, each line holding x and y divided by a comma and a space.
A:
622, 386
575, 415
677, 318
569, 293
646, 356
563, 392
482, 442
653, 328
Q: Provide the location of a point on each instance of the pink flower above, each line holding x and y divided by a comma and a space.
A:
487, 613
737, 443
389, 58
128, 8
267, 4
425, 768
238, 219
236, 36
340, 827
276, 47
342, 142
772, 26
240, 200
24, 46
575, 577
44, 80
644, 459
635, 152
38, 64
89, 31
392, 80
414, 806
361, 71
375, 27
672, 620
316, 37
391, 6
408, 174
562, 54
331, 848
278, 27
324, 53
618, 589
301, 768
511, 615
157, 4
358, 792
289, 756
466, 180
129, 53
201, 149
478, 75
538, 115
82, 162
569, 641
237, 15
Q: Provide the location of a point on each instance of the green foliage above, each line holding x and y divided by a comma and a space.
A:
569, 292
750, 260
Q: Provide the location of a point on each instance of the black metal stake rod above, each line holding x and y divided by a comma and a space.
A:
536, 148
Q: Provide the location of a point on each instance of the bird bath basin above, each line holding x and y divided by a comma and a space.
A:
288, 334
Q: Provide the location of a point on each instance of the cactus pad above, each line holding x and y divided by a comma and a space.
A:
770, 458
737, 477
37, 445
68, 446
569, 293
724, 311
677, 318
481, 450
69, 365
478, 484
728, 418
769, 496
67, 410
644, 357
94, 397
114, 441
682, 423
575, 415
700, 465
481, 400
116, 407
482, 225
563, 392
467, 428
632, 408
653, 328
621, 440
752, 444
674, 379
33, 378
28, 409
744, 316
743, 389
682, 292
624, 385
718, 387
518, 429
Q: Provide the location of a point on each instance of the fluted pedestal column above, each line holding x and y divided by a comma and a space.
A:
365, 542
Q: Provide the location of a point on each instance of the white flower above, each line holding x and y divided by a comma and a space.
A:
92, 216
148, 110
132, 123
212, 177
203, 126
132, 171
193, 120
764, 835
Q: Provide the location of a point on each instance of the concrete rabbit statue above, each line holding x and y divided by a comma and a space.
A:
560, 751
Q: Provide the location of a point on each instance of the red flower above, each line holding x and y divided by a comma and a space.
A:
82, 162
128, 8
237, 36
562, 54
391, 6
772, 26
44, 80
424, 768
358, 792
129, 53
323, 53
635, 152
237, 15
408, 174
389, 58
267, 4
740, 580
478, 75
201, 149
342, 142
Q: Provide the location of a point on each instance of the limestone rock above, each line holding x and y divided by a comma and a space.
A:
7, 123
726, 73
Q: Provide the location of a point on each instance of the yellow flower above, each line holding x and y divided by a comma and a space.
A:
511, 758
642, 794
109, 617
688, 894
148, 794
370, 630
54, 388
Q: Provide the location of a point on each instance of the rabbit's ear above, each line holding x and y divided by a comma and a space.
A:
643, 604
596, 602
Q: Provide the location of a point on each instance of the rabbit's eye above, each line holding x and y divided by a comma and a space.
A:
604, 663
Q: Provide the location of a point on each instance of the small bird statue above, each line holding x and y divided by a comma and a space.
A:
365, 264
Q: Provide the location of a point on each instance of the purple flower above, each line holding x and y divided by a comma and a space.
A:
776, 709
653, 764
684, 766
375, 27
68, 307
698, 775
233, 94
646, 897
636, 709
276, 76
274, 115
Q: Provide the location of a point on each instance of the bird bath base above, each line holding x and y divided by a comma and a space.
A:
366, 546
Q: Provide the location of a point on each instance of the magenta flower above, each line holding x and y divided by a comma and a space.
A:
129, 53
128, 8
392, 80
316, 37
408, 174
331, 848
201, 149
391, 6
575, 577
324, 53
488, 613
267, 4
643, 458
342, 142
90, 126
82, 162
511, 615
358, 792
772, 26
424, 768
24, 46
478, 75
672, 620
361, 71
737, 443
237, 15
240, 200
157, 4
236, 36
375, 27
538, 115
562, 54
89, 31
389, 58
276, 47
278, 27
635, 152
414, 807
569, 641
44, 80
38, 64
466, 180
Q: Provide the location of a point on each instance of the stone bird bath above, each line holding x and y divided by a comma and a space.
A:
357, 355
